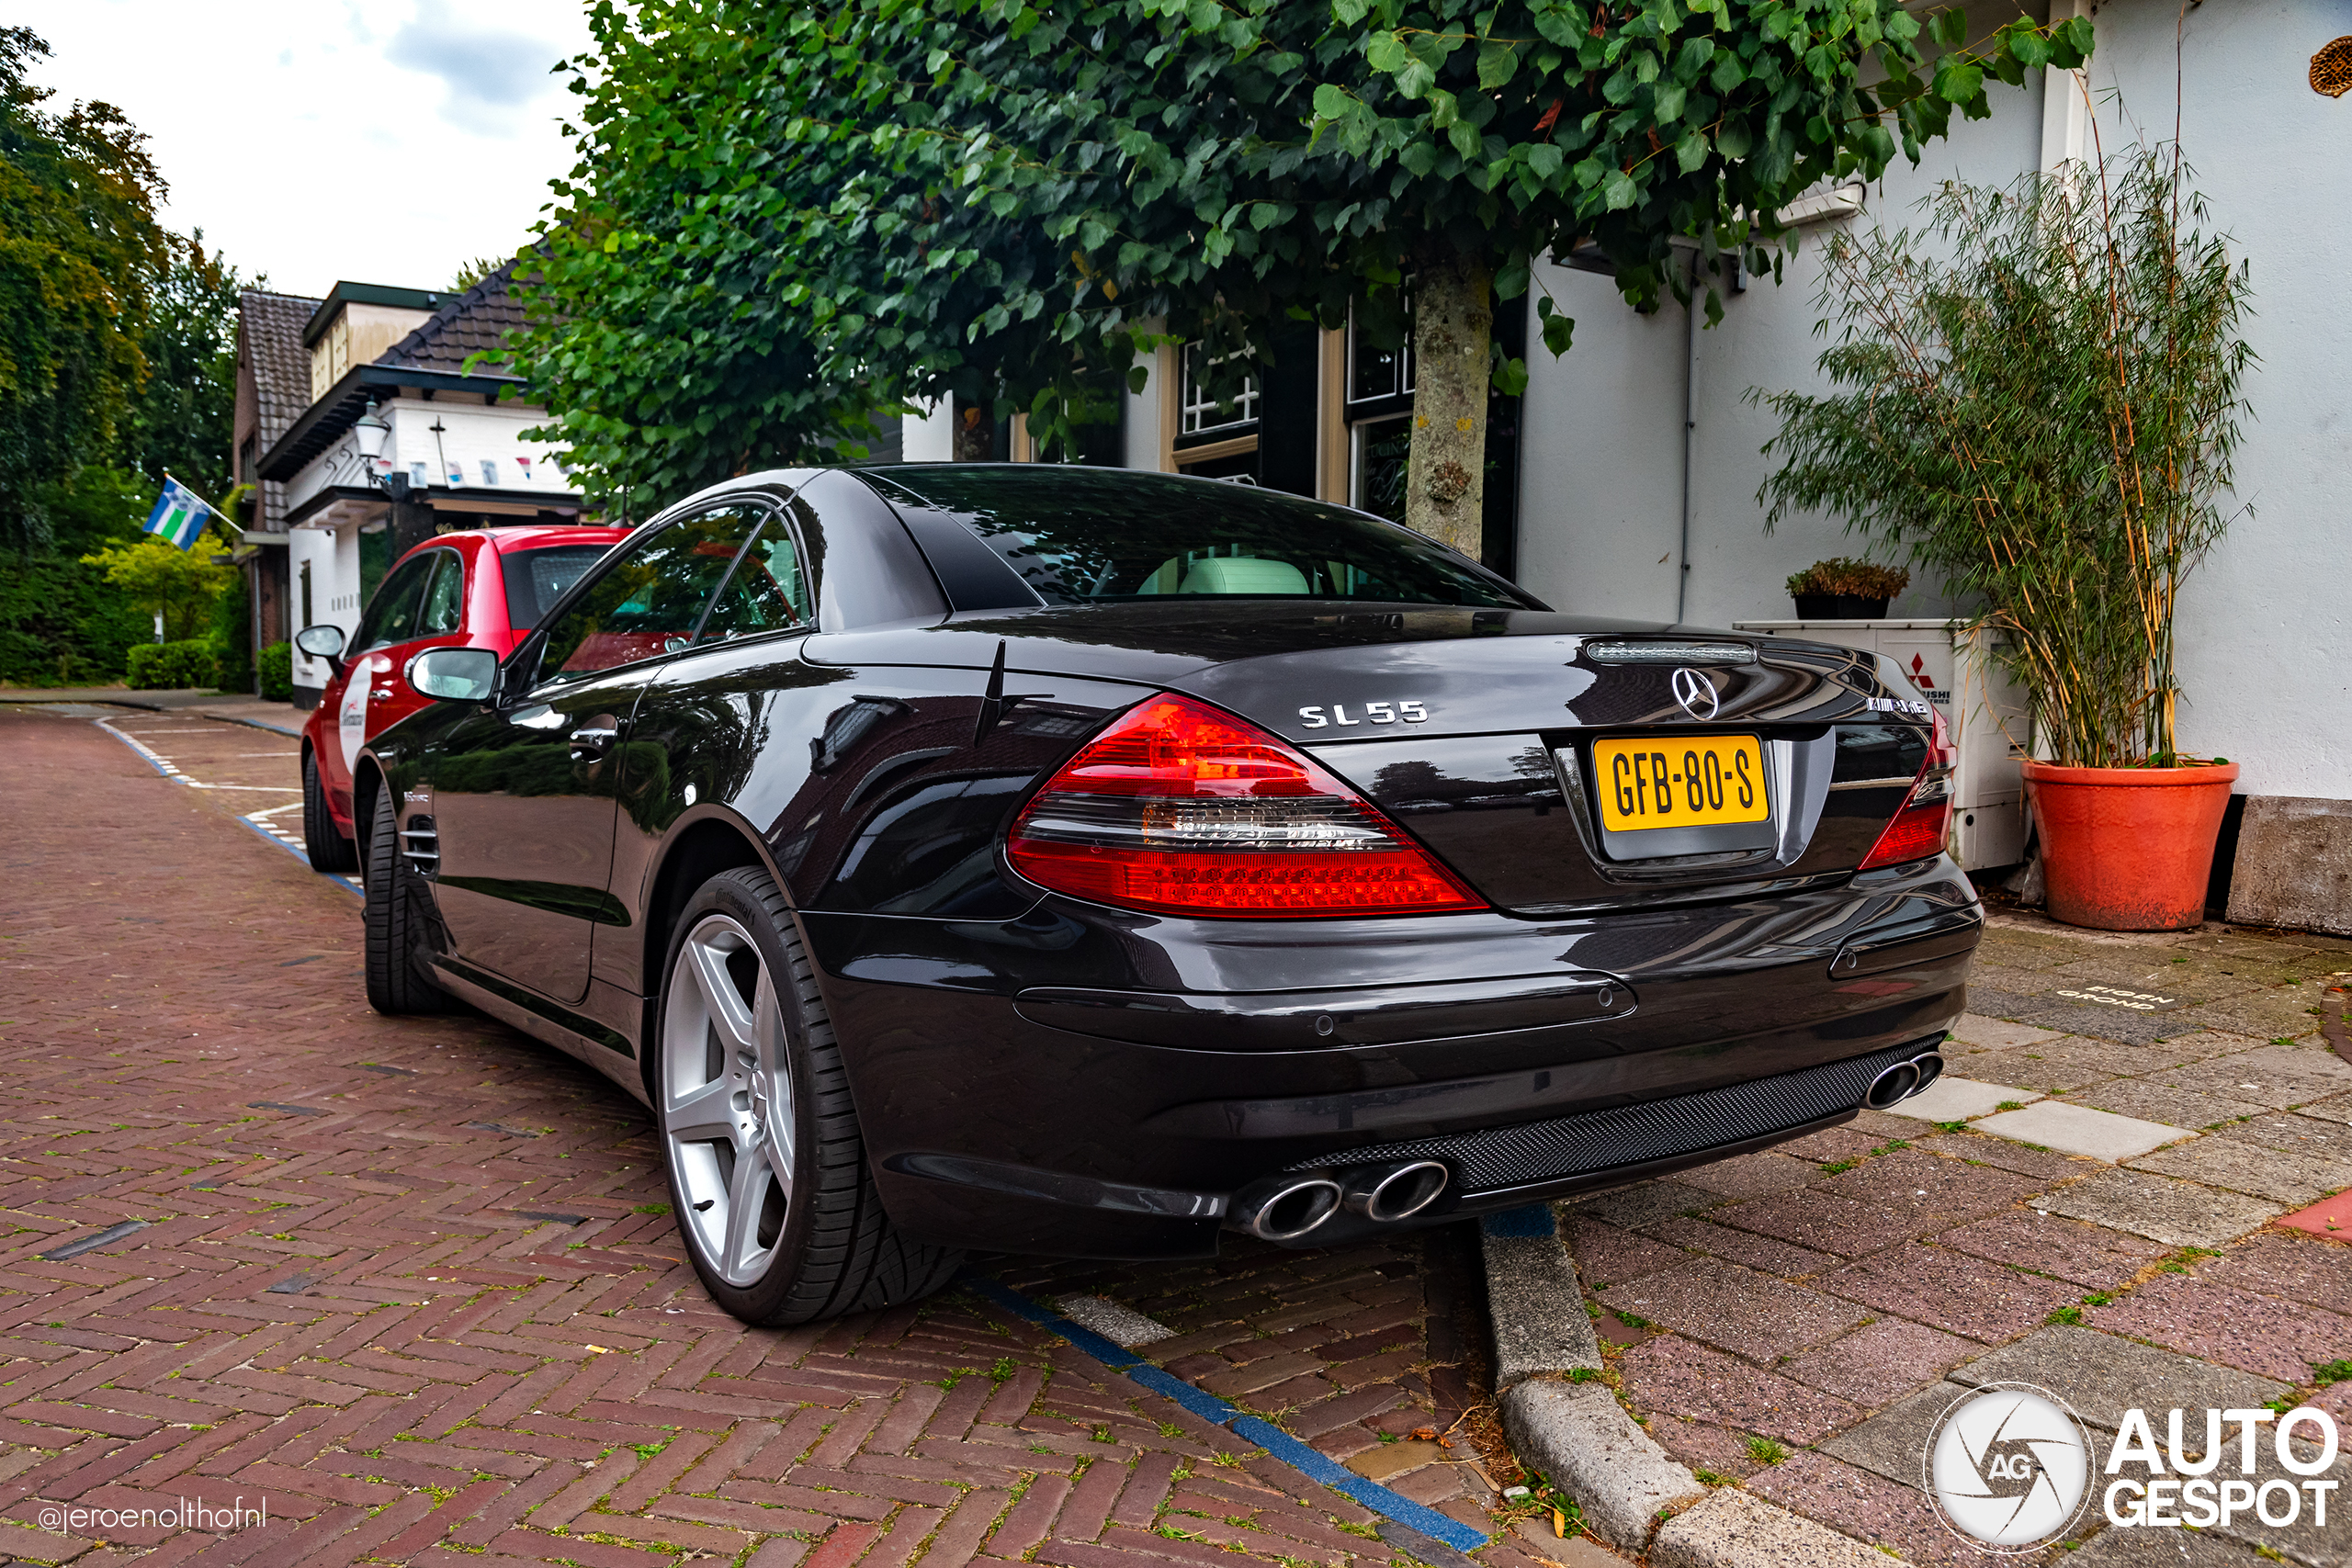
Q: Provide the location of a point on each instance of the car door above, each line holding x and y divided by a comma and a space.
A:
389, 618
525, 791
439, 622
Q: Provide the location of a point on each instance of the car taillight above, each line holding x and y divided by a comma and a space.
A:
1181, 808
1920, 828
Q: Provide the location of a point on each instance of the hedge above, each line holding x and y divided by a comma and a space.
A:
171, 666
274, 668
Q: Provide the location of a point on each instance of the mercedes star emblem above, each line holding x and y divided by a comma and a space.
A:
1696, 693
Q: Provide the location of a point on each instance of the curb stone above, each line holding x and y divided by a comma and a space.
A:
1529, 1275
1733, 1529
1581, 1439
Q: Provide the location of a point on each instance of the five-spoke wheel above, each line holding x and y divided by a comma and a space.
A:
726, 1108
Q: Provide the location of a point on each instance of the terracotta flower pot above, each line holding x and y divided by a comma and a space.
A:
2127, 849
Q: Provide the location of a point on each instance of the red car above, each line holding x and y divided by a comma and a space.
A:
482, 587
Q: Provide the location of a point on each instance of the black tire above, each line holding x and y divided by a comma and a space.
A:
833, 1249
396, 919
328, 850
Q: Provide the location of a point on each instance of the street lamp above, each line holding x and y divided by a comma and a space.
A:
370, 431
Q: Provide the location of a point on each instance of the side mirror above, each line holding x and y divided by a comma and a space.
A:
322, 642
459, 674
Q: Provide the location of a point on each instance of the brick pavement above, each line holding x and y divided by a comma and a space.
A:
1791, 1321
413, 1280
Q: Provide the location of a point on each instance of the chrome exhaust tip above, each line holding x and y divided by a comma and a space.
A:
1894, 1084
1931, 1067
1386, 1193
1286, 1208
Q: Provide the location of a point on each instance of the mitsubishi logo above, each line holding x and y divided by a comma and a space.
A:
1696, 693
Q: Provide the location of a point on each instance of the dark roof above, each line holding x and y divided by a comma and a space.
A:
433, 356
347, 293
271, 328
479, 318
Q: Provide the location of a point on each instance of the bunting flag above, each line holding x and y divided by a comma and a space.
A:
179, 514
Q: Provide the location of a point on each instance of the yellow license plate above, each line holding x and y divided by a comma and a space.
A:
1684, 781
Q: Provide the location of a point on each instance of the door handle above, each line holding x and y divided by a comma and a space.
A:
383, 695
593, 740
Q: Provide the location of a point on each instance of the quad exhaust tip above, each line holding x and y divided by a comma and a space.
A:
1901, 1081
1290, 1207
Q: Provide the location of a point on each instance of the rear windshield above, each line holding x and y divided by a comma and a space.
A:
536, 579
1091, 535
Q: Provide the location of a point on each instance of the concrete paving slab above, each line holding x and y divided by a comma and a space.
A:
1960, 1100
1997, 1033
2065, 1065
1736, 1309
2101, 1376
1733, 1529
2174, 1213
2152, 1102
2291, 1178
1893, 1442
2079, 1130
1646, 1204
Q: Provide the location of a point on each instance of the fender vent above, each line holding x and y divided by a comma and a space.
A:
1501, 1157
421, 845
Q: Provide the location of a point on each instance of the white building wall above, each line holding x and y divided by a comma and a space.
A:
2266, 626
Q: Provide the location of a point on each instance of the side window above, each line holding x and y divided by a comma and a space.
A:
391, 614
767, 593
445, 597
649, 601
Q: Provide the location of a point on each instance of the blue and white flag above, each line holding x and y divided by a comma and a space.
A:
180, 516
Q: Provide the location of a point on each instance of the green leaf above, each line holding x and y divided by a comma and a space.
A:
1559, 332
1958, 82
1497, 63
1510, 378
1619, 191
2029, 48
1666, 104
1691, 151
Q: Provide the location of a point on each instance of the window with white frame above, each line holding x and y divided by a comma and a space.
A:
1219, 394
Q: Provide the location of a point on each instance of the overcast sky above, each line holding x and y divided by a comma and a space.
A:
318, 139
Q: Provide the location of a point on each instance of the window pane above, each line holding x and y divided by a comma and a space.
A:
1219, 394
1080, 536
1374, 371
1378, 483
391, 614
445, 599
647, 603
536, 579
765, 594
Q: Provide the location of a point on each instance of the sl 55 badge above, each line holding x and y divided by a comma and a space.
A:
1374, 713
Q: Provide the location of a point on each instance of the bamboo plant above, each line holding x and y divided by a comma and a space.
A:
2037, 396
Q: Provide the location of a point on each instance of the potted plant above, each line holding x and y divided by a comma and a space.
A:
2038, 396
1842, 588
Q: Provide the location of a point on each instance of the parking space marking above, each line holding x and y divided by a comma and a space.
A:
1309, 1461
258, 822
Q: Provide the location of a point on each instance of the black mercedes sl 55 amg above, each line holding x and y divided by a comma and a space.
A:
1058, 860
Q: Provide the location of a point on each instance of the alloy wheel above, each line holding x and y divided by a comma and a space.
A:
726, 1111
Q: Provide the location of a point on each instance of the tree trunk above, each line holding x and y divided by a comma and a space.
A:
1454, 326
974, 434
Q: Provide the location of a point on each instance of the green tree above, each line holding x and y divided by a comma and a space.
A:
783, 216
182, 420
79, 252
164, 580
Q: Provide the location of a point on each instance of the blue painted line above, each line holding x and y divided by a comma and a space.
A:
1530, 1220
1301, 1457
343, 882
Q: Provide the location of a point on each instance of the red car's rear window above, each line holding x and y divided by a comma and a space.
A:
536, 579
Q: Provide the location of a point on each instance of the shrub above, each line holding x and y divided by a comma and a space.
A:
232, 638
172, 666
1859, 579
273, 669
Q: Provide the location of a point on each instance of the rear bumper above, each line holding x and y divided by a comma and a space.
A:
1086, 1082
